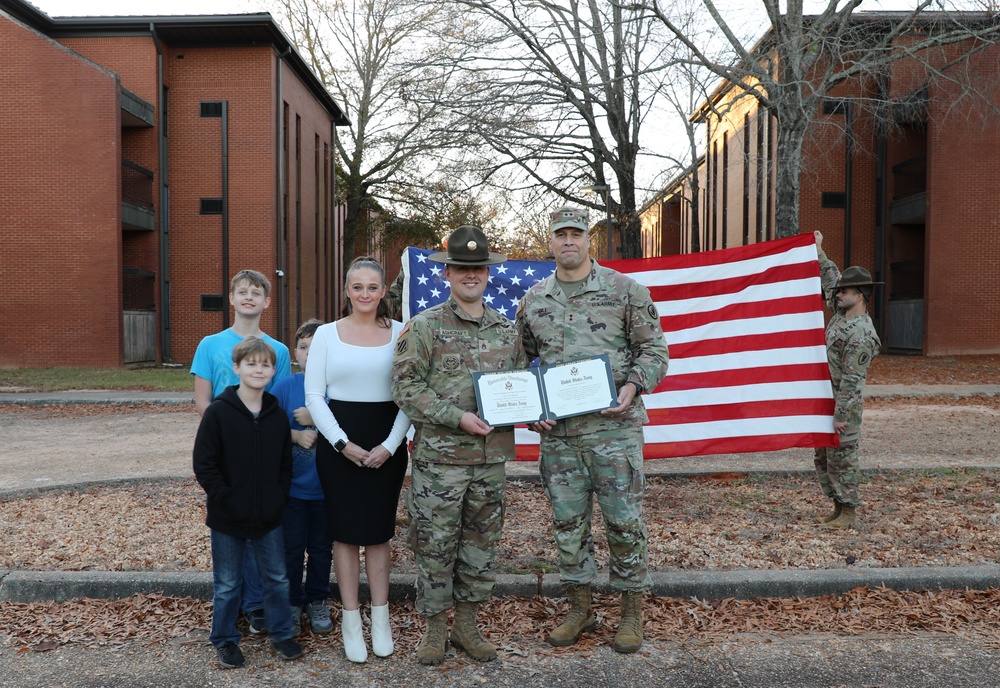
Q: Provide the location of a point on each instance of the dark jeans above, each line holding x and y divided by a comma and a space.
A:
252, 594
228, 555
304, 526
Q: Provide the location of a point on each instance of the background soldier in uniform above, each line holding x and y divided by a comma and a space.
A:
581, 311
851, 344
456, 501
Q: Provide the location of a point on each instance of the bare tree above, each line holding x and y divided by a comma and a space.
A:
803, 57
559, 91
382, 59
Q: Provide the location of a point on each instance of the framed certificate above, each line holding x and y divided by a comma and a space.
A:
528, 395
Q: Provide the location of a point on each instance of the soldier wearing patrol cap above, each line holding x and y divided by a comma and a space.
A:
456, 500
584, 310
851, 344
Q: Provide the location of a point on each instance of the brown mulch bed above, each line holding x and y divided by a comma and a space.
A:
946, 517
518, 626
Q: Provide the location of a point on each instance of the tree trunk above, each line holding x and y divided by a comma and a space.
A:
791, 134
695, 213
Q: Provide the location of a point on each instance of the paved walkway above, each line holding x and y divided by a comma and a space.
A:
26, 586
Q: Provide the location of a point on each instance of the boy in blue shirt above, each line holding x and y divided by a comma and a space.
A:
212, 367
242, 458
304, 516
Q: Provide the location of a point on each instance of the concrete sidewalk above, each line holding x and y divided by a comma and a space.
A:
32, 586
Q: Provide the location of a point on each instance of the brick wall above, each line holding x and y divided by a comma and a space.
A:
59, 199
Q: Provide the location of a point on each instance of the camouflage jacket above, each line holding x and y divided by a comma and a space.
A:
851, 344
610, 313
432, 368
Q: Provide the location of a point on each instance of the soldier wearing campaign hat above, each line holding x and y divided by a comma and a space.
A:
581, 311
851, 344
456, 499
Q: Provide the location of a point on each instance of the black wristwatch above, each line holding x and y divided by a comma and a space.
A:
638, 387
340, 446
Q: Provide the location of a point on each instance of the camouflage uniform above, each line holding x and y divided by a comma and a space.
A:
394, 297
851, 344
456, 501
594, 453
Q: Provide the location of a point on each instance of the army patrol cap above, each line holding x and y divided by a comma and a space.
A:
568, 216
467, 245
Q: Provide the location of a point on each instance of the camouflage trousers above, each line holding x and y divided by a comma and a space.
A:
839, 472
456, 519
607, 464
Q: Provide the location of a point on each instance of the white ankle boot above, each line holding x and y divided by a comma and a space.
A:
354, 639
381, 631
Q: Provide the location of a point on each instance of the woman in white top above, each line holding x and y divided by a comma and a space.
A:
361, 456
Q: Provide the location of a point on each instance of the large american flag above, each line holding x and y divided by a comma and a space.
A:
748, 370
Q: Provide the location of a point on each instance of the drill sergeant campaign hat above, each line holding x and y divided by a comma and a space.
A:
568, 216
467, 245
859, 278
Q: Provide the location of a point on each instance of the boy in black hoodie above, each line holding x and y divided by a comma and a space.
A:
243, 460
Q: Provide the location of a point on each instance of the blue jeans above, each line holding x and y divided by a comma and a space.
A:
228, 555
304, 529
252, 594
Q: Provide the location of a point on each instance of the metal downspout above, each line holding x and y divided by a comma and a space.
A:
225, 209
280, 257
164, 173
848, 173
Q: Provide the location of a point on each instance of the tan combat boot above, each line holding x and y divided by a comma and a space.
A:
628, 639
432, 645
581, 618
847, 519
465, 635
837, 508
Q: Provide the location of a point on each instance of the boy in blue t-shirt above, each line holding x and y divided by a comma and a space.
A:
304, 516
212, 367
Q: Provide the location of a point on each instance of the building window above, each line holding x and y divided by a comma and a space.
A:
211, 206
834, 199
212, 302
211, 108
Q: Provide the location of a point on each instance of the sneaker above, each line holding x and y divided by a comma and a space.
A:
230, 656
296, 621
255, 619
319, 617
287, 649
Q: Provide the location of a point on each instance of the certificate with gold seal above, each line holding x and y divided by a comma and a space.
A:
528, 395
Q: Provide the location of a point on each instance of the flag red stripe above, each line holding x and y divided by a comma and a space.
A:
722, 445
733, 445
751, 409
733, 285
729, 255
754, 342
748, 376
742, 311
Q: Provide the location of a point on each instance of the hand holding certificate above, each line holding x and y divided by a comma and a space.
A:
529, 395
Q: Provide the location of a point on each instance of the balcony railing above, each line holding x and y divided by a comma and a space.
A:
137, 185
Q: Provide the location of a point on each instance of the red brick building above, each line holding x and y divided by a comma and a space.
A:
911, 197
143, 161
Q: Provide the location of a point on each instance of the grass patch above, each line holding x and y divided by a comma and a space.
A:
152, 379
